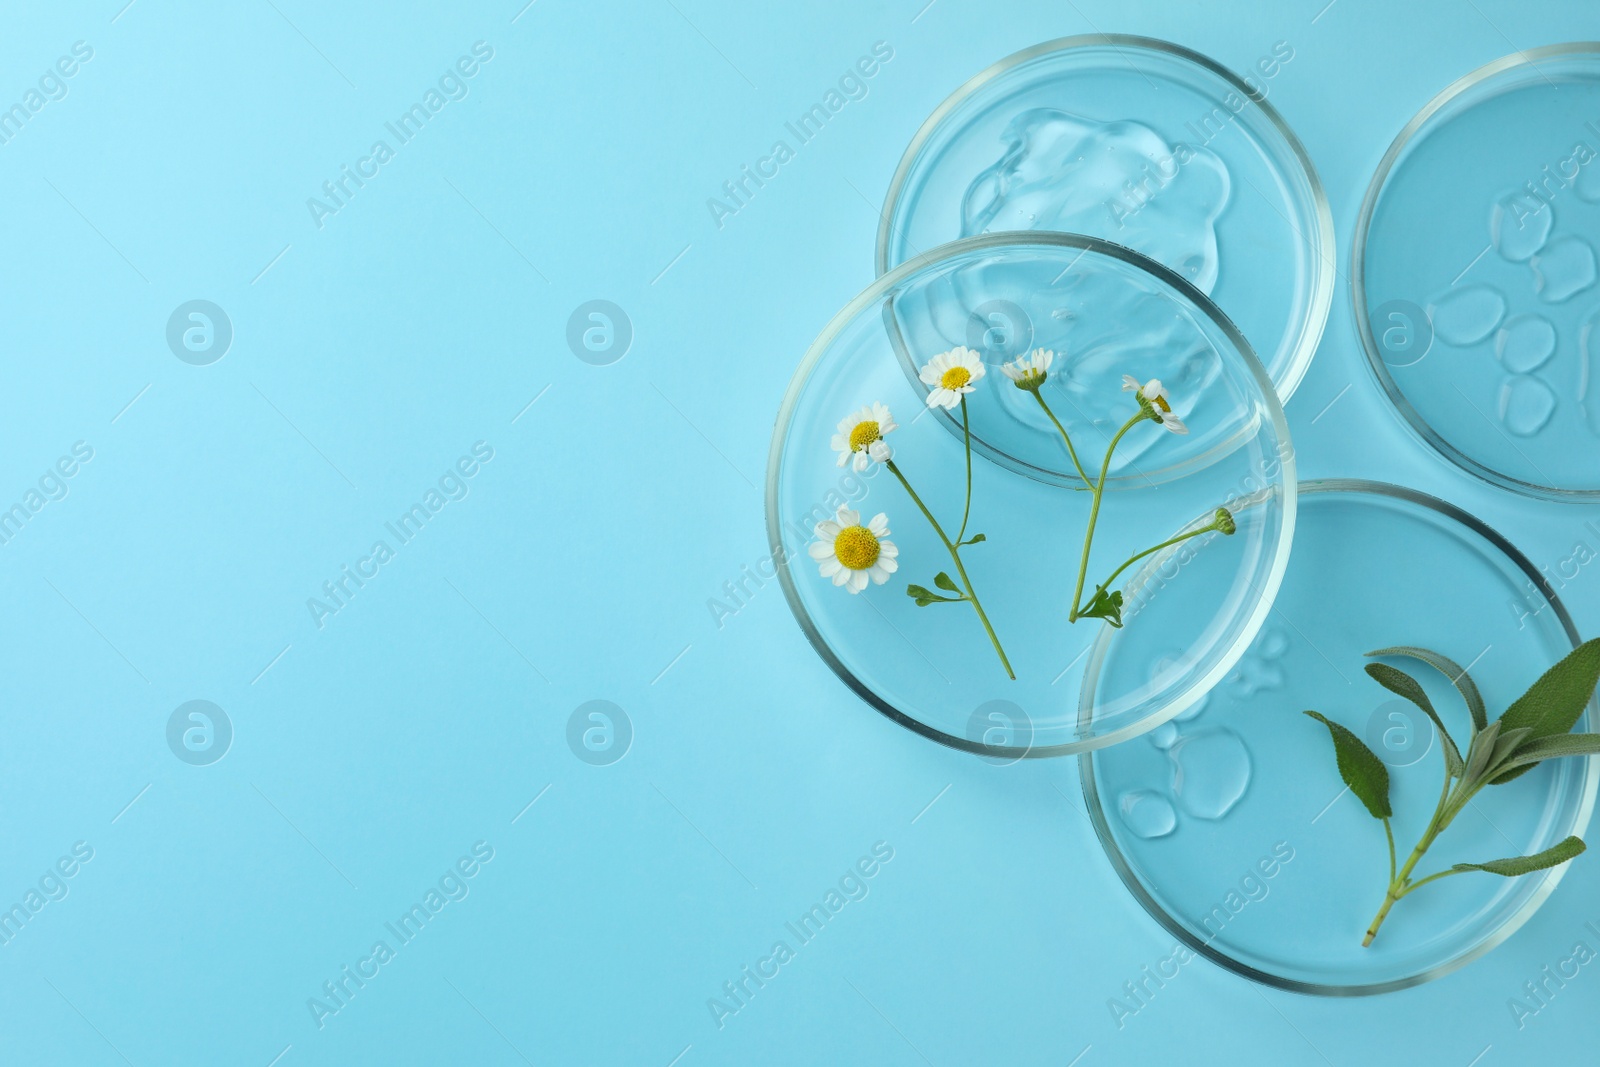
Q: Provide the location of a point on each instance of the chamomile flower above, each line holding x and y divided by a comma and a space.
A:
1029, 371
860, 438
952, 374
852, 554
1153, 401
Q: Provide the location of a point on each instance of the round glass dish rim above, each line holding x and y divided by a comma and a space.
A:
1045, 239
1358, 285
1323, 253
1591, 784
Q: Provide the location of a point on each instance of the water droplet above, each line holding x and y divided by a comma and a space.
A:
1164, 735
1525, 342
1147, 814
1519, 225
1589, 372
1466, 316
1526, 404
1565, 268
1210, 771
1274, 642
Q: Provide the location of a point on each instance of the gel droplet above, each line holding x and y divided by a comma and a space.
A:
1466, 316
1565, 268
1526, 404
1589, 372
1525, 342
1210, 772
1519, 225
1147, 814
1164, 735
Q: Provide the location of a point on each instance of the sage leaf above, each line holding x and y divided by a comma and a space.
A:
1510, 868
1480, 755
1505, 745
944, 581
1543, 748
1457, 675
1402, 684
1553, 704
1360, 768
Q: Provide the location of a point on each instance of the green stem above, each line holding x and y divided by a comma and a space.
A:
1449, 806
1094, 513
955, 555
1073, 452
966, 509
1168, 543
1388, 831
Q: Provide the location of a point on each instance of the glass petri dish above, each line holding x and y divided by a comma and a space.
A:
932, 668
1474, 272
1230, 824
1140, 142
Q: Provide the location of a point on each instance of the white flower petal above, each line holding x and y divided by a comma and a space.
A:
831, 567
1173, 423
827, 529
887, 549
847, 517
880, 451
841, 576
885, 566
858, 581
820, 550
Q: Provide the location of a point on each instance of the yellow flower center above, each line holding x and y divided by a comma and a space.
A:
863, 435
1161, 402
955, 378
857, 547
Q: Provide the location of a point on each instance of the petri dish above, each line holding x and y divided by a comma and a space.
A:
1144, 143
1474, 273
1230, 824
932, 668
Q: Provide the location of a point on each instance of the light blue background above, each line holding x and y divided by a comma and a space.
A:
425, 716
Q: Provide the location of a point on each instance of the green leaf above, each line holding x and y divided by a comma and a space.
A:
924, 597
1107, 606
1505, 745
975, 539
1480, 757
1457, 675
944, 581
1402, 684
1510, 868
1543, 748
1553, 704
1360, 768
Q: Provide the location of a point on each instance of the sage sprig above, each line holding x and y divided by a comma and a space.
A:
1536, 727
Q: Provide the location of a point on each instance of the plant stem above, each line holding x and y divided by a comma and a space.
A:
1400, 884
1073, 452
1131, 560
966, 436
1094, 512
955, 555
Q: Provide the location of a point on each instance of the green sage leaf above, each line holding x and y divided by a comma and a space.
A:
944, 581
1402, 684
1480, 757
1554, 703
1360, 768
1457, 675
1542, 748
1510, 868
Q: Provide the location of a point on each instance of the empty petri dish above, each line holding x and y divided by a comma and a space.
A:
1231, 825
1140, 142
1474, 272
1106, 312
